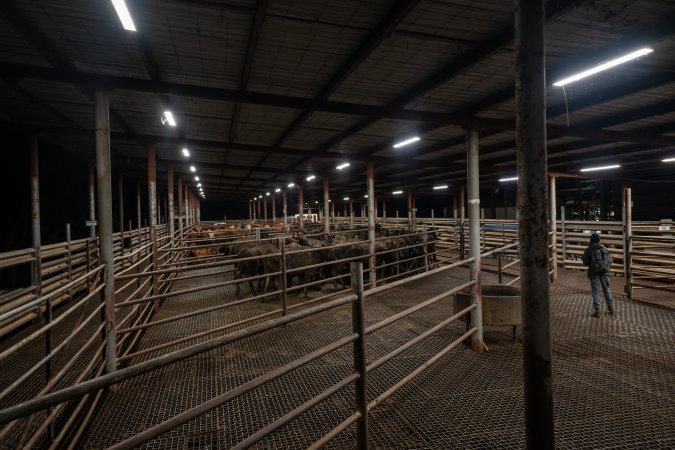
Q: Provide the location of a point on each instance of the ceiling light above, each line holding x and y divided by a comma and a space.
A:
123, 14
186, 153
168, 117
277, 190
310, 178
342, 166
316, 201
406, 142
593, 169
290, 185
668, 160
267, 193
193, 169
604, 66
199, 185
443, 186
346, 198
397, 192
196, 178
508, 179
365, 196
260, 196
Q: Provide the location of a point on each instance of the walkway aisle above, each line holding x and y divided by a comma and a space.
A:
614, 378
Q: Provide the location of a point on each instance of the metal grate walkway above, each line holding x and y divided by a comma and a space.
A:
614, 377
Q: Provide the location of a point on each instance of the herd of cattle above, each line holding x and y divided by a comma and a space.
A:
311, 259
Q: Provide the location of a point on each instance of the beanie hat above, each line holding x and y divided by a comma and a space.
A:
595, 237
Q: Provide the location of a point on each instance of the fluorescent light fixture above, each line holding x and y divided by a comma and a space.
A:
406, 142
277, 190
290, 185
668, 160
267, 193
196, 178
397, 192
199, 185
186, 153
342, 166
123, 14
346, 198
443, 186
508, 179
604, 66
310, 178
168, 116
193, 169
593, 169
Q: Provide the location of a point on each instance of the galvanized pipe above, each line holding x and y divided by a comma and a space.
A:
92, 202
285, 211
274, 207
553, 224
473, 180
301, 207
532, 223
628, 241
104, 191
171, 213
360, 363
371, 224
563, 234
351, 214
326, 214
180, 208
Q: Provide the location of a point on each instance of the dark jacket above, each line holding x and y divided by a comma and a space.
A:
586, 259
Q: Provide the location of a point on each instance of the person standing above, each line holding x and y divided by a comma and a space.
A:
599, 261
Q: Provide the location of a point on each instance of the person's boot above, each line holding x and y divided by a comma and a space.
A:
596, 314
610, 308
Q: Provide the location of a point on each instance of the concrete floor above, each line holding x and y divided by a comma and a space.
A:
614, 377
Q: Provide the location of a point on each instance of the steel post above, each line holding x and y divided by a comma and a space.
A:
265, 208
532, 223
351, 214
472, 172
360, 385
410, 207
92, 201
250, 211
152, 206
301, 207
171, 212
628, 241
283, 287
180, 209
371, 224
285, 211
326, 206
274, 208
36, 274
563, 235
105, 226
553, 223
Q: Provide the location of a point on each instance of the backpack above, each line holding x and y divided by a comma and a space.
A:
601, 261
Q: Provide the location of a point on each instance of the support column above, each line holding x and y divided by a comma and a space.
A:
532, 222
152, 209
36, 274
628, 241
384, 209
171, 212
371, 223
472, 173
553, 223
562, 235
274, 208
351, 214
188, 218
326, 207
180, 208
92, 201
104, 196
265, 207
250, 211
410, 210
285, 211
301, 207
